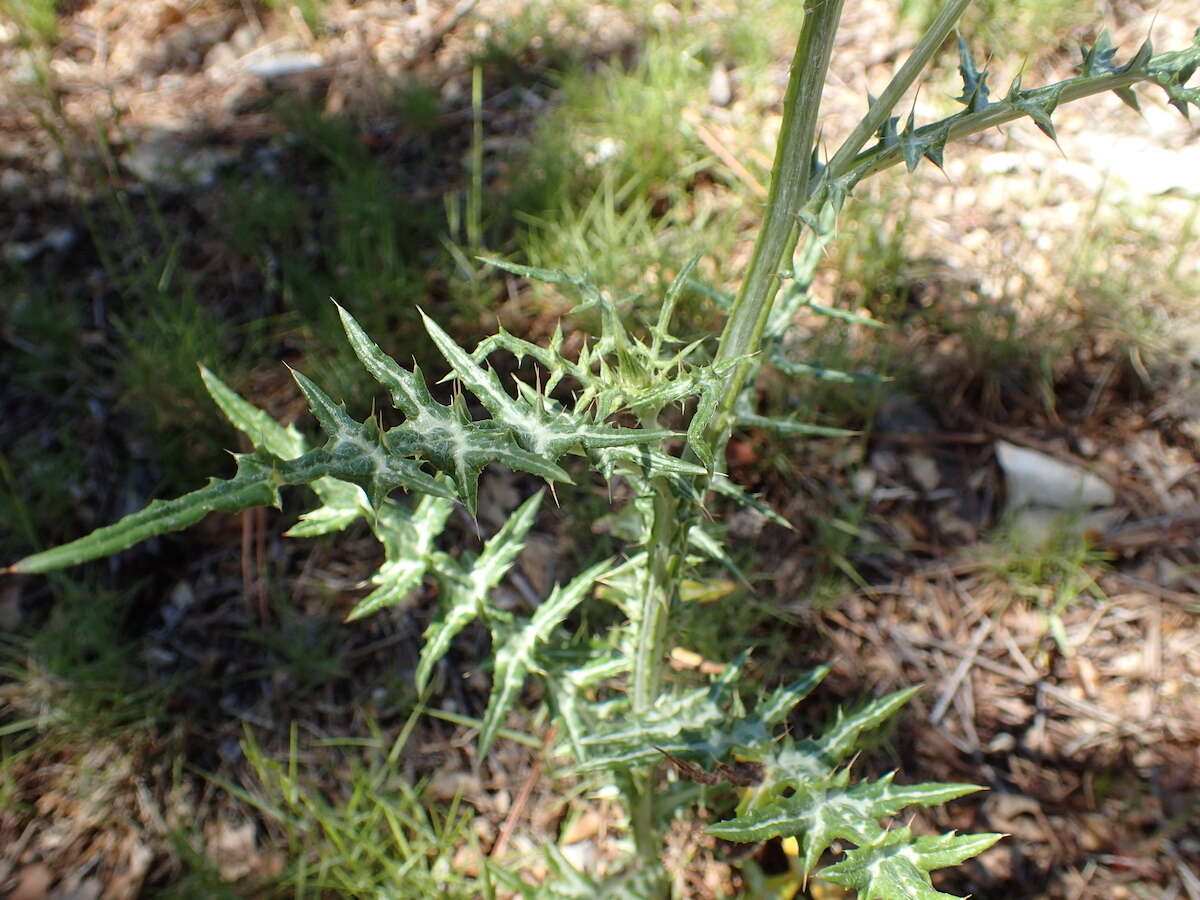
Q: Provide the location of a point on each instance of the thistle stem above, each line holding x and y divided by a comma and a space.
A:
790, 176
927, 47
659, 591
877, 159
791, 179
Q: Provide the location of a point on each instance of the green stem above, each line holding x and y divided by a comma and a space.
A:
926, 48
791, 178
646, 840
660, 591
659, 588
666, 550
789, 190
877, 159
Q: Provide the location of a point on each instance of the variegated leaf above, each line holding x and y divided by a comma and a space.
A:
465, 589
256, 483
549, 435
359, 452
515, 647
819, 813
443, 434
342, 502
897, 864
408, 546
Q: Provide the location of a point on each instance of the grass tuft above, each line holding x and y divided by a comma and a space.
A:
372, 835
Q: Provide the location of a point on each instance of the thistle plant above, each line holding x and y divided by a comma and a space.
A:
624, 724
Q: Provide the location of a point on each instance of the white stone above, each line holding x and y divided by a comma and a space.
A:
281, 64
1033, 478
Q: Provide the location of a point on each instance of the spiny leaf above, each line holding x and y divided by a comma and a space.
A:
1098, 59
721, 484
1172, 71
614, 336
458, 610
443, 434
342, 502
888, 133
1141, 59
408, 541
566, 693
822, 373
1138, 64
975, 90
501, 550
840, 740
409, 392
355, 452
514, 648
666, 311
935, 144
791, 426
676, 390
634, 741
262, 430
818, 814
464, 593
712, 547
706, 408
775, 707
649, 463
709, 384
587, 291
255, 484
1038, 105
547, 435
360, 453
355, 456
911, 144
701, 725
897, 865
1129, 98
791, 765
845, 315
